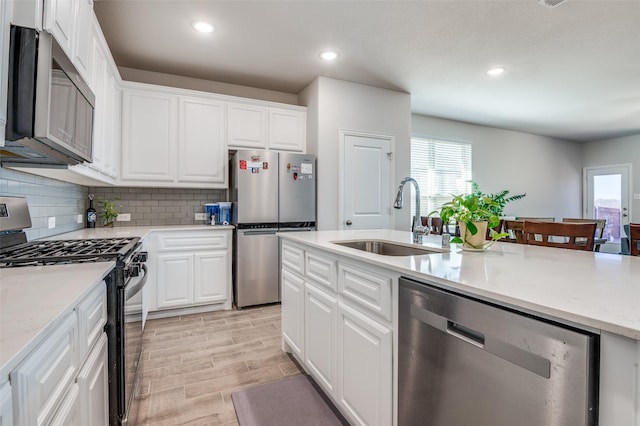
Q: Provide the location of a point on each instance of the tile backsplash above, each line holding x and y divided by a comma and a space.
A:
159, 206
66, 201
47, 198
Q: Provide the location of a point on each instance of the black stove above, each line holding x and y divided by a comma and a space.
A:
67, 251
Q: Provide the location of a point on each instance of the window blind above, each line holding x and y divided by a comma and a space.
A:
441, 168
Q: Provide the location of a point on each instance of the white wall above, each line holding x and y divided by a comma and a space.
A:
335, 105
548, 170
625, 150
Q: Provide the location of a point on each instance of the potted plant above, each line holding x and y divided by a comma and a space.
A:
474, 213
109, 212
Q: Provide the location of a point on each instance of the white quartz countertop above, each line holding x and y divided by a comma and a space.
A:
598, 291
34, 299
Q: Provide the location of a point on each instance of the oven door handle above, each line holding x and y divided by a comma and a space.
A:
132, 289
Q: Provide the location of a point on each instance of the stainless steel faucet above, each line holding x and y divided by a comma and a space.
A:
418, 230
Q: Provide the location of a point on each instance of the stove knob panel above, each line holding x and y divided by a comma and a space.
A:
133, 271
141, 257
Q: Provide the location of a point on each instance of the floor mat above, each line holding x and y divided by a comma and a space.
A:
293, 401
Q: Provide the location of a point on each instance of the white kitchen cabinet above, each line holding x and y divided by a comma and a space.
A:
172, 138
202, 156
320, 321
70, 21
69, 412
292, 295
190, 269
287, 130
149, 120
174, 280
247, 126
92, 317
258, 126
41, 382
93, 382
364, 368
6, 405
5, 24
59, 19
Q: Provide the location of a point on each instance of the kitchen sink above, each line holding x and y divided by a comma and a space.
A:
387, 248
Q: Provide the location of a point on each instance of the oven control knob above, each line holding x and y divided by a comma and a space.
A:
133, 271
140, 257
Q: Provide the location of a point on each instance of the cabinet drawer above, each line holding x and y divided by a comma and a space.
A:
322, 270
194, 241
292, 256
370, 289
92, 316
44, 377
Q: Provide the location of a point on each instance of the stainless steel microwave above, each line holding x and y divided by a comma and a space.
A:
49, 106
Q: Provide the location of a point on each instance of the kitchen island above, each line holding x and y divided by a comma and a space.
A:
595, 292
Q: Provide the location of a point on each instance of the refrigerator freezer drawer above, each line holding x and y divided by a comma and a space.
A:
256, 268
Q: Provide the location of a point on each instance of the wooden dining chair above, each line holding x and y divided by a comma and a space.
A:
634, 239
497, 228
600, 225
437, 226
537, 219
515, 229
574, 236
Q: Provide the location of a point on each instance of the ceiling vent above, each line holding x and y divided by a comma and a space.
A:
552, 3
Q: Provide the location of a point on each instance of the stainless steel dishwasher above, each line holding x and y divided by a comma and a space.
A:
465, 362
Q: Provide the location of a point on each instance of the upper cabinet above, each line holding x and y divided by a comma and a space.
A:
172, 138
69, 21
255, 126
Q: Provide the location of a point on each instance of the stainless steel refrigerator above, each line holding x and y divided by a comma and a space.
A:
271, 192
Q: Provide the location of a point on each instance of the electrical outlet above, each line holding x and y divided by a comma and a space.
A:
52, 222
80, 218
636, 196
201, 216
124, 217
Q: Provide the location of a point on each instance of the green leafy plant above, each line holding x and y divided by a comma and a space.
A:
476, 207
500, 199
109, 210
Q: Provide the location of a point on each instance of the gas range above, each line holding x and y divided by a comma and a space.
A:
67, 251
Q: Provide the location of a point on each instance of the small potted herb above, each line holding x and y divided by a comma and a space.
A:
109, 212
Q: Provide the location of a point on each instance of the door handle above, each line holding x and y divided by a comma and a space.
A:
348, 222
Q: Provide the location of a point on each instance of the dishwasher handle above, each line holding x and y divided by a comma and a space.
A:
266, 232
492, 344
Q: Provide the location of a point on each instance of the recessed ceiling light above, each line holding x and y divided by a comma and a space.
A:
496, 71
203, 26
329, 55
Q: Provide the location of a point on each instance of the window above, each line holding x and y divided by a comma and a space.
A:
441, 168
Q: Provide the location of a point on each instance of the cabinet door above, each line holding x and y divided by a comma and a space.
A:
292, 291
69, 412
6, 406
42, 380
113, 139
364, 368
247, 126
211, 276
93, 380
100, 111
148, 136
202, 155
58, 20
83, 38
174, 280
287, 130
321, 321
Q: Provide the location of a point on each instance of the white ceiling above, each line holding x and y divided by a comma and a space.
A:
573, 71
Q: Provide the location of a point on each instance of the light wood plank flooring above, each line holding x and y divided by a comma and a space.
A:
192, 363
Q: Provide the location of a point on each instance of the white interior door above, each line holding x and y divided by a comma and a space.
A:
365, 181
607, 197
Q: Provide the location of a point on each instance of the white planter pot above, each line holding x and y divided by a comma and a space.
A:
476, 240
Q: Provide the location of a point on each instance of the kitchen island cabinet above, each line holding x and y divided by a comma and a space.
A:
595, 292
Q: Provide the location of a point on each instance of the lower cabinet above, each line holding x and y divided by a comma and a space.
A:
6, 405
63, 381
336, 320
93, 382
190, 269
364, 368
292, 295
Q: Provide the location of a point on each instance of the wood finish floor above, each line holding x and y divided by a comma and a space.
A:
192, 363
